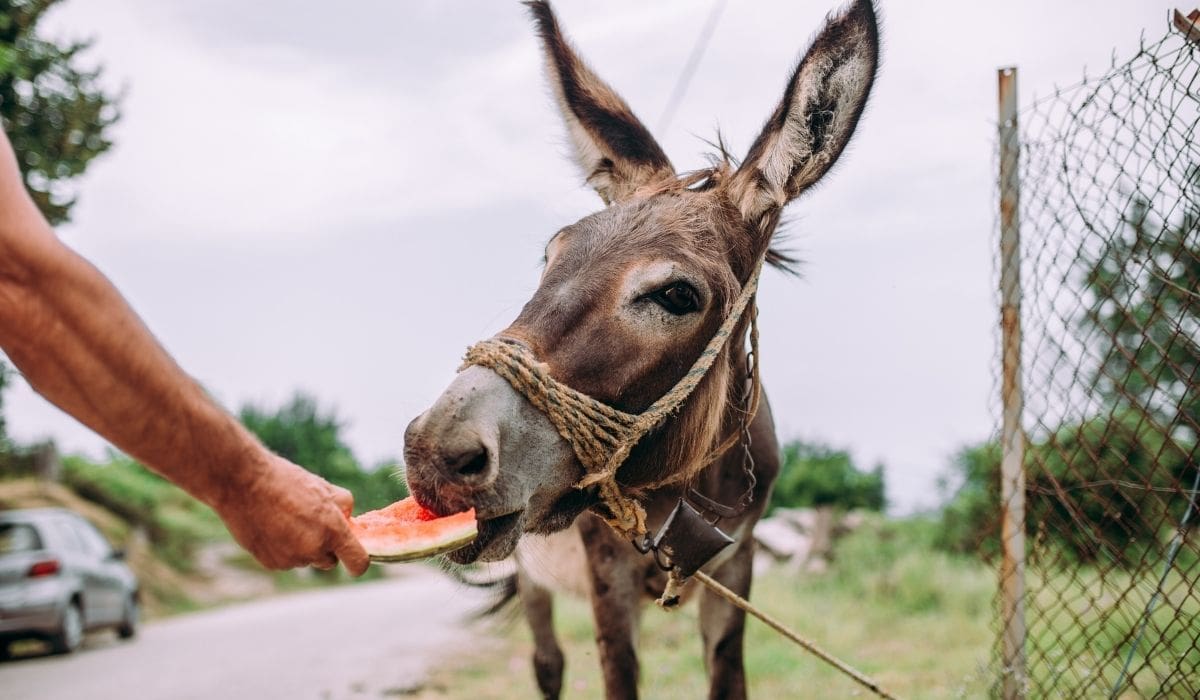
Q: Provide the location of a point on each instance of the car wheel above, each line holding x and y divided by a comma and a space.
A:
70, 631
130, 618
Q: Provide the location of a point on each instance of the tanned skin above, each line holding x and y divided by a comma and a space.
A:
80, 345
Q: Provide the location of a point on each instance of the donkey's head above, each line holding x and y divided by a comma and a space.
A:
631, 294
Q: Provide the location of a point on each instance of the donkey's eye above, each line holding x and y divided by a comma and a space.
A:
679, 298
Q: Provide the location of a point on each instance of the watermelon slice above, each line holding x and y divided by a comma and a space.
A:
404, 531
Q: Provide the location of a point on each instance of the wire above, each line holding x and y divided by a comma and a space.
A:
689, 68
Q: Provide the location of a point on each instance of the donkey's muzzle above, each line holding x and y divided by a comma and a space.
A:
446, 468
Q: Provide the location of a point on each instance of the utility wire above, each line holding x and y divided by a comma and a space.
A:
689, 68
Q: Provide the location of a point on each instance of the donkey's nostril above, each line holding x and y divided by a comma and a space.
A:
468, 464
477, 464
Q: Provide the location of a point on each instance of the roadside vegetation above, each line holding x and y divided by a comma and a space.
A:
182, 553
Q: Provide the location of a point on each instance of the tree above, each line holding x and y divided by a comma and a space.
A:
1143, 313
53, 109
301, 432
815, 475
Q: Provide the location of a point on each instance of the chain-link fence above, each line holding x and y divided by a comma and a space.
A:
1100, 273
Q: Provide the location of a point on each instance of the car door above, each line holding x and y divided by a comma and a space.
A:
79, 565
108, 582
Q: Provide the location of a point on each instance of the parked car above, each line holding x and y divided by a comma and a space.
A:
60, 578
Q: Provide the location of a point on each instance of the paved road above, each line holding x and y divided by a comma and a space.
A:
365, 641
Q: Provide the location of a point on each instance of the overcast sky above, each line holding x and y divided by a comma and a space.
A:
342, 197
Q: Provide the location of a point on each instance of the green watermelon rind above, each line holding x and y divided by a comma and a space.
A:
382, 548
426, 551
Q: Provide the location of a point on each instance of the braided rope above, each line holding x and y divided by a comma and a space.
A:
602, 436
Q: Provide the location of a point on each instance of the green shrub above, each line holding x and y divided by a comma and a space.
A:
814, 474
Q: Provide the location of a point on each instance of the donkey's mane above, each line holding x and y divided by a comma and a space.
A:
722, 164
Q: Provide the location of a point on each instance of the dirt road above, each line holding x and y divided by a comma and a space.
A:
370, 640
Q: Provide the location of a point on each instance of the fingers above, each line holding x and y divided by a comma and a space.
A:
348, 549
296, 518
344, 500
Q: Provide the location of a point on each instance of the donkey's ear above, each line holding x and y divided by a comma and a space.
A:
614, 149
814, 122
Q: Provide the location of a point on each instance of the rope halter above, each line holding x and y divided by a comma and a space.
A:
602, 436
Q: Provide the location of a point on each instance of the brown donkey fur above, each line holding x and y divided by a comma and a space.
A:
629, 297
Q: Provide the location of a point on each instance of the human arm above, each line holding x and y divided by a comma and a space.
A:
80, 345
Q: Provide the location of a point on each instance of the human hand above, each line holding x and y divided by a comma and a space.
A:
288, 517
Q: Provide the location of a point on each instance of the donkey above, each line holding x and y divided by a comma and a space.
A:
628, 298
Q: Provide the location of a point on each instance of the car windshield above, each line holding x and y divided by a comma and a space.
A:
18, 537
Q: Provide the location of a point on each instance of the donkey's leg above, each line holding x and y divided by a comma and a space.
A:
616, 596
722, 626
538, 604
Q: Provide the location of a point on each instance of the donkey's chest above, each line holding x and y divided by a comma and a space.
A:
559, 562
556, 562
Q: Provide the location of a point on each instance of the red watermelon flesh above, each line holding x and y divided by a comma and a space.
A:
405, 531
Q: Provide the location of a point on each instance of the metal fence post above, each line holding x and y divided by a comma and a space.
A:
1012, 440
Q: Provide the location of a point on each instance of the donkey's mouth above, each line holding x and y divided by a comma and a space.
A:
497, 539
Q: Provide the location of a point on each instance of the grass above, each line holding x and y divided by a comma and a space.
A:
1082, 623
916, 620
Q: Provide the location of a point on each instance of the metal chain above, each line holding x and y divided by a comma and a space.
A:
716, 510
747, 396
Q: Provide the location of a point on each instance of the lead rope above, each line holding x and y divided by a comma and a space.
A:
603, 436
858, 676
